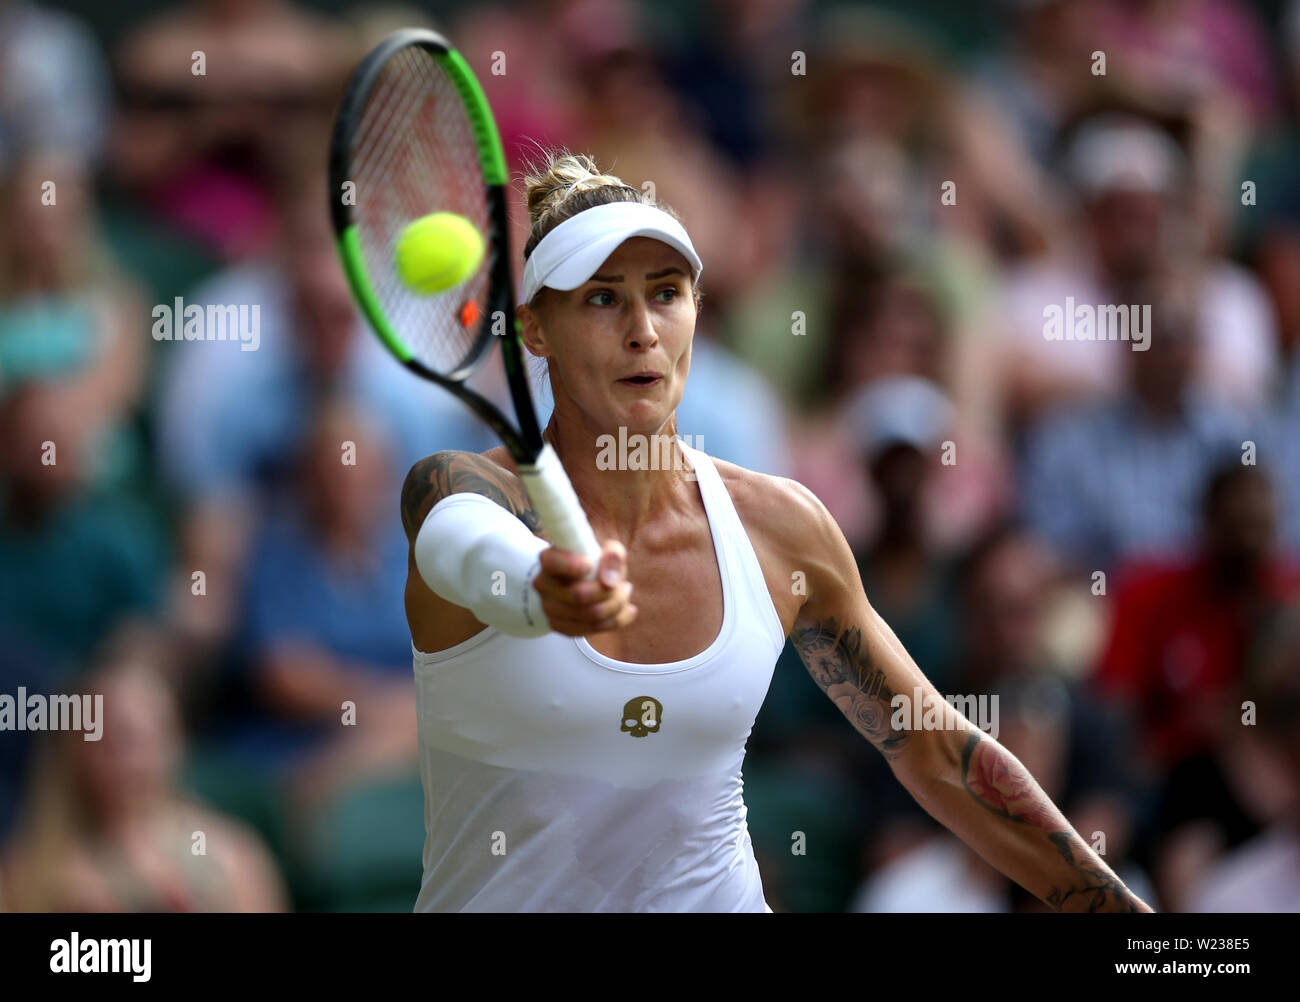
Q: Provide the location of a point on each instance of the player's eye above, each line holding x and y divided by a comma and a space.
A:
601, 293
672, 293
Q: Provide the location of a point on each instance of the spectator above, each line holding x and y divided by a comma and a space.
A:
210, 88
1031, 74
1181, 625
1134, 238
1174, 660
105, 827
901, 423
311, 342
59, 279
322, 622
1118, 480
1263, 874
74, 559
900, 336
1007, 588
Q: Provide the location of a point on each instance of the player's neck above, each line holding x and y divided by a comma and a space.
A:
624, 480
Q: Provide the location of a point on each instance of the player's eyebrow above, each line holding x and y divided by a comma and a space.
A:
649, 278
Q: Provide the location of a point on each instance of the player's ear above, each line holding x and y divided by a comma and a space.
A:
530, 331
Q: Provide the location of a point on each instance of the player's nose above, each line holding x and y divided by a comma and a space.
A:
641, 331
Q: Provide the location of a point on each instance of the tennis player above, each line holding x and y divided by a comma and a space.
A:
581, 738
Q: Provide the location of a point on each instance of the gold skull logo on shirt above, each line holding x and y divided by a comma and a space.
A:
641, 716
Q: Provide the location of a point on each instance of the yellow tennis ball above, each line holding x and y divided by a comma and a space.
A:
438, 251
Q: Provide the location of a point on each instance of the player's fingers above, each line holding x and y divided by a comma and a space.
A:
590, 612
583, 591
564, 563
622, 618
613, 563
574, 628
626, 616
563, 589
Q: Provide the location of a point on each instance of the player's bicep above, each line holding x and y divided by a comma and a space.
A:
848, 656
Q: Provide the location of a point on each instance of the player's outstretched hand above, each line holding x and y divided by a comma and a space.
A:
577, 606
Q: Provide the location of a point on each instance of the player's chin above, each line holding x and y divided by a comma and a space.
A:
624, 406
643, 419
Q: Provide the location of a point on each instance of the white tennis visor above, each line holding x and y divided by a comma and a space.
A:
570, 254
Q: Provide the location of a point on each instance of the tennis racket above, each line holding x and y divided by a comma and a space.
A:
415, 135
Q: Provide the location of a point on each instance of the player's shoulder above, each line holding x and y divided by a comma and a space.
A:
791, 529
780, 509
492, 473
446, 471
446, 459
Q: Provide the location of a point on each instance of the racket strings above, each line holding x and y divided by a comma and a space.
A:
414, 153
418, 137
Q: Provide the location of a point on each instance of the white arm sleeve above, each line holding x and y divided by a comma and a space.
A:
475, 554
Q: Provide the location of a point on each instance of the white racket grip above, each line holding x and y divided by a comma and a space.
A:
557, 506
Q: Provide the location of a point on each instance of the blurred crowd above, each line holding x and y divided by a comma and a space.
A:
888, 198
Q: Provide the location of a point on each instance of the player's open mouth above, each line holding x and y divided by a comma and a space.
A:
642, 379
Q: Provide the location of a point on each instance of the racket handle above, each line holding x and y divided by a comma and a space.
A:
557, 506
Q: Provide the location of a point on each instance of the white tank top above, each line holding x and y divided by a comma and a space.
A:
558, 779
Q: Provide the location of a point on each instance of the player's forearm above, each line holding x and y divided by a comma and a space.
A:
985, 796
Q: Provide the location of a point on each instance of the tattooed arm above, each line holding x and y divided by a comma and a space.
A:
963, 778
437, 624
435, 477
572, 604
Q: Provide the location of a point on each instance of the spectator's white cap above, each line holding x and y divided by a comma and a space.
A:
1122, 152
899, 409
